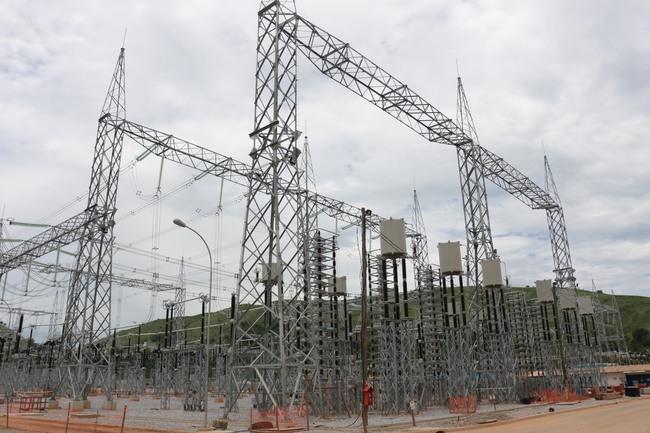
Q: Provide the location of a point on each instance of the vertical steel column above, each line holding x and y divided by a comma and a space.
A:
88, 312
262, 353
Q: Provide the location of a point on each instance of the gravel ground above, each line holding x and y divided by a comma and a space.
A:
147, 413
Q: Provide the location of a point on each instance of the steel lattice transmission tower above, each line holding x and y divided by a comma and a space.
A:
88, 311
559, 239
264, 348
487, 304
578, 349
472, 185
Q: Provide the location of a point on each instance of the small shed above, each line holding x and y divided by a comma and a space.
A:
628, 375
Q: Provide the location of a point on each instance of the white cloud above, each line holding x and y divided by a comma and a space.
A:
572, 76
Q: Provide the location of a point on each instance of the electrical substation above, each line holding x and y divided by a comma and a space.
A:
440, 329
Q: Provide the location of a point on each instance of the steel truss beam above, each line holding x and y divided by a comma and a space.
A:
62, 234
511, 180
115, 279
207, 161
342, 63
337, 60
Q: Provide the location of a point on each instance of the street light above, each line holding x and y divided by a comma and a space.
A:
180, 223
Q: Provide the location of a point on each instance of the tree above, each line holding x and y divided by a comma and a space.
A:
640, 339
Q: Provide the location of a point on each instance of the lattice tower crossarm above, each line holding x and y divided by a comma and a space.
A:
337, 60
342, 63
210, 162
115, 279
56, 236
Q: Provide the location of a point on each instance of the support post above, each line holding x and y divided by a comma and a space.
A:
364, 317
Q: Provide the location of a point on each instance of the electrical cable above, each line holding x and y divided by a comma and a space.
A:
355, 421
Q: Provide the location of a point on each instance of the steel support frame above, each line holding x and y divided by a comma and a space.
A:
272, 240
427, 286
276, 206
88, 311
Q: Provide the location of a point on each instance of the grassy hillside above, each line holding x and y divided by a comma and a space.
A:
4, 331
635, 317
154, 332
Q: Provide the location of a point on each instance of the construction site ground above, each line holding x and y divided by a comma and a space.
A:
145, 416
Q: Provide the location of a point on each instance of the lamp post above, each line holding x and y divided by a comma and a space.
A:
180, 223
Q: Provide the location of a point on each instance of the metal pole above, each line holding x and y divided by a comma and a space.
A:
364, 319
67, 418
207, 331
560, 343
123, 419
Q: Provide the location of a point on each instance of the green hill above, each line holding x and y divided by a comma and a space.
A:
635, 318
153, 333
4, 331
635, 315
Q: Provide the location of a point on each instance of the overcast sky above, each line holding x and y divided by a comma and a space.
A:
568, 79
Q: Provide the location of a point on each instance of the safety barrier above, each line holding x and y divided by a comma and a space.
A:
74, 422
32, 401
88, 421
279, 419
554, 396
462, 404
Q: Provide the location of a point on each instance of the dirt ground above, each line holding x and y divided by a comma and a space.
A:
628, 415
621, 415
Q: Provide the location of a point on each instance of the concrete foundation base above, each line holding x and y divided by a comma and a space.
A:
109, 405
77, 405
213, 429
53, 404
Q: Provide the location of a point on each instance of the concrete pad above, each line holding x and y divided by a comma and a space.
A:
76, 405
109, 405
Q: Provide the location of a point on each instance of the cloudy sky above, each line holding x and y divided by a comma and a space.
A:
565, 79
